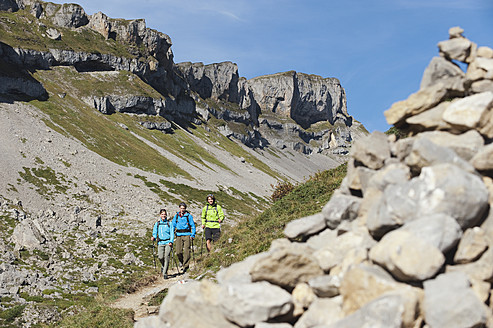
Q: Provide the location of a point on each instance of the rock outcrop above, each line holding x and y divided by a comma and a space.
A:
276, 109
407, 239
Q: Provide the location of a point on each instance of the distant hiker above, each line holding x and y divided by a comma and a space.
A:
163, 232
212, 216
185, 232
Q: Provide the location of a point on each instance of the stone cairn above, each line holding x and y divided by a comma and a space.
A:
406, 241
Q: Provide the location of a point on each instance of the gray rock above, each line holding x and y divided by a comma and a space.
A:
455, 32
272, 325
400, 250
53, 34
305, 227
340, 208
371, 151
481, 86
70, 15
29, 234
469, 112
192, 305
389, 175
464, 198
383, 312
445, 72
430, 119
247, 304
335, 252
440, 230
466, 145
149, 322
450, 302
481, 269
417, 103
305, 98
424, 153
322, 312
460, 49
485, 52
472, 245
219, 81
322, 240
239, 272
326, 285
287, 266
480, 69
483, 160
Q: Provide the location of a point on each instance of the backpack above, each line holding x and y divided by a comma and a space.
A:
207, 208
189, 228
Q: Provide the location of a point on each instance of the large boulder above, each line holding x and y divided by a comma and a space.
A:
70, 15
450, 302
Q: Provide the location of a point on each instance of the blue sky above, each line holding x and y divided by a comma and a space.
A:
377, 49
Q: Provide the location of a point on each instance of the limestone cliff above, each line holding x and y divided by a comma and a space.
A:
290, 110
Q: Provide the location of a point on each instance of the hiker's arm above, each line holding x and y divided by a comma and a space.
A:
192, 224
203, 216
172, 233
220, 213
154, 232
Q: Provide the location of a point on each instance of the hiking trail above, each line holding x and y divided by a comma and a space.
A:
138, 301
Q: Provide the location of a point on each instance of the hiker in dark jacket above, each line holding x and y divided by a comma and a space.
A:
185, 232
163, 232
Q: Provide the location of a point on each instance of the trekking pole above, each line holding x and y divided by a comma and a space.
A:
202, 244
193, 254
174, 260
154, 255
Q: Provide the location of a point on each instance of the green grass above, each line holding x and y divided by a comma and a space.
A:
7, 317
46, 180
157, 299
18, 30
254, 234
99, 315
73, 118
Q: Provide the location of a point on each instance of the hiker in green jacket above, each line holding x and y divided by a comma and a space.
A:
212, 216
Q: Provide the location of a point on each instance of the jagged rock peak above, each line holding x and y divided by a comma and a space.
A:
218, 80
307, 99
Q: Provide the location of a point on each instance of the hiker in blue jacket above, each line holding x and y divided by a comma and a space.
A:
185, 232
163, 232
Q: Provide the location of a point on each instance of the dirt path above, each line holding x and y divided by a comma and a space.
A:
139, 300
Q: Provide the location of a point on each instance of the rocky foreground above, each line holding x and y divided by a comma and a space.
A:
406, 241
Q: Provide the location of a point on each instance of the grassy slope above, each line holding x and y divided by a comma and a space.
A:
18, 30
102, 134
254, 234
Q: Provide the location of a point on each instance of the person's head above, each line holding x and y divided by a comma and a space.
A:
211, 199
183, 208
163, 214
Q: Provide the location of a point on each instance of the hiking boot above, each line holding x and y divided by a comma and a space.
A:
165, 276
184, 270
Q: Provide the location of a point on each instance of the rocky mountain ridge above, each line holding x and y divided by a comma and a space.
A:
407, 239
303, 99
